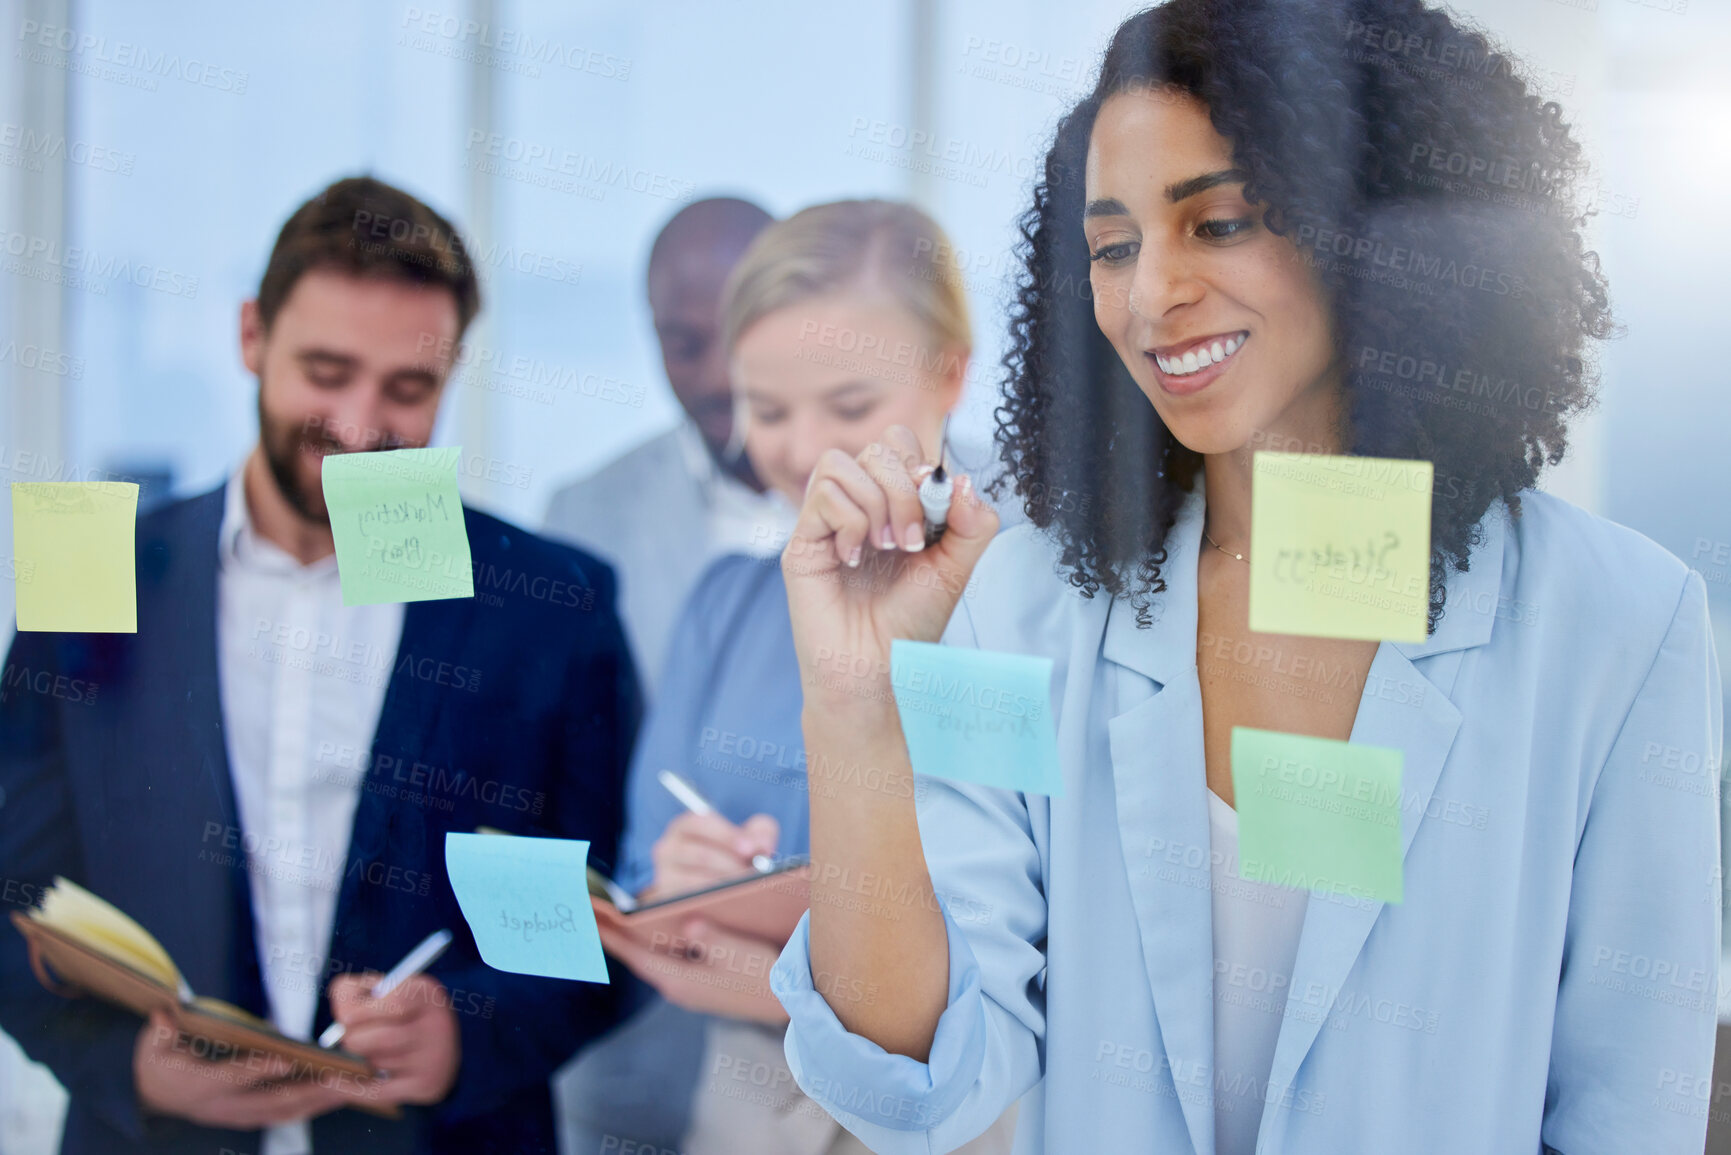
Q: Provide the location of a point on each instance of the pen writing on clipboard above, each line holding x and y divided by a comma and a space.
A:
698, 804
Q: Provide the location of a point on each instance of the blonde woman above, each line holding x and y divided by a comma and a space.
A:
839, 322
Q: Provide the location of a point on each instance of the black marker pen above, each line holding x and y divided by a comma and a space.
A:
936, 491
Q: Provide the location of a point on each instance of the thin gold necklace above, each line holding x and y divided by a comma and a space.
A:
1223, 549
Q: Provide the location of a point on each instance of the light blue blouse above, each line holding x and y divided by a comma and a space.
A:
726, 718
1550, 976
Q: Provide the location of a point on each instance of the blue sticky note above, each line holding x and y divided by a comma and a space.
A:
977, 716
527, 903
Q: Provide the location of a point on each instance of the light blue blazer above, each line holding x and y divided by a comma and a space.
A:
1549, 978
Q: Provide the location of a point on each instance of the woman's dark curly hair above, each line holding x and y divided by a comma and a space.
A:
1434, 196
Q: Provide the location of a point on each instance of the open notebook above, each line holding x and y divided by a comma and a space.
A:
80, 944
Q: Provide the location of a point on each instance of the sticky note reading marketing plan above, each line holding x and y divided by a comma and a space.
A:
1340, 546
1317, 813
526, 901
977, 716
398, 525
72, 547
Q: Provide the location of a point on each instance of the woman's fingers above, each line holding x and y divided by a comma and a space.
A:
711, 828
813, 547
893, 463
704, 862
872, 499
681, 865
846, 521
695, 837
758, 834
696, 849
970, 527
862, 497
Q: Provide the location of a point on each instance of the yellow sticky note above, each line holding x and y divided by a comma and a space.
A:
73, 542
1340, 546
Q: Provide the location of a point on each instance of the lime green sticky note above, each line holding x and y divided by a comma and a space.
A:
1317, 813
398, 525
72, 542
1340, 546
977, 716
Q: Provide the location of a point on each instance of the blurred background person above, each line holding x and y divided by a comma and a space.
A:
838, 322
664, 510
235, 788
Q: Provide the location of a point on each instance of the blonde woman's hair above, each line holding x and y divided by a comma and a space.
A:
889, 246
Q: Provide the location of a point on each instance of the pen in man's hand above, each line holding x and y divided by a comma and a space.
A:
698, 804
416, 961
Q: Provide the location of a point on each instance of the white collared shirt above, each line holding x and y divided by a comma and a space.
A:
303, 679
739, 519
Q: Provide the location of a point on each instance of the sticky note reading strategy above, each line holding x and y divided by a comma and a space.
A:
398, 525
1340, 546
72, 547
527, 903
977, 716
1317, 813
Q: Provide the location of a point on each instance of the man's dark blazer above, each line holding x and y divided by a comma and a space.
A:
514, 709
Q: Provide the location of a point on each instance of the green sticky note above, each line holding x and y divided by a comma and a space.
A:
72, 547
1340, 546
977, 716
398, 525
526, 901
1317, 813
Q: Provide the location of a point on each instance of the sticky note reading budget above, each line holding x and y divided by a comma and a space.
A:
1340, 546
977, 716
398, 525
1317, 813
527, 903
72, 546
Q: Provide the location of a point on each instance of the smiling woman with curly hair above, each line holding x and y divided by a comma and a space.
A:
1330, 227
1347, 124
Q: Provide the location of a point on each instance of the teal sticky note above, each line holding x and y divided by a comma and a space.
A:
527, 902
1317, 813
977, 716
398, 524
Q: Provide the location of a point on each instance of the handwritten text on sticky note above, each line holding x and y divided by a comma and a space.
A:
977, 716
72, 545
1317, 813
398, 524
1340, 546
526, 901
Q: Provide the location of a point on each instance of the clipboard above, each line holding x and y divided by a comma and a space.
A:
765, 905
